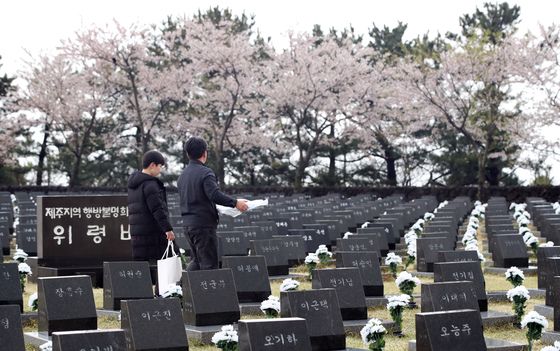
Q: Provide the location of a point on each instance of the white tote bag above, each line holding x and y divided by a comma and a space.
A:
168, 268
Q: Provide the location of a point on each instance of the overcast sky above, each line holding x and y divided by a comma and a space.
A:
39, 25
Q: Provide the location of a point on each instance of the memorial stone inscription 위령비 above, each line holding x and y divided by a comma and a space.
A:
82, 230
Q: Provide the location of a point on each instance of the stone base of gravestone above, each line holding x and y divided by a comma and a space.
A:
36, 338
33, 263
528, 271
376, 301
491, 345
203, 334
493, 318
356, 325
253, 308
423, 274
291, 276
547, 311
108, 313
549, 337
29, 317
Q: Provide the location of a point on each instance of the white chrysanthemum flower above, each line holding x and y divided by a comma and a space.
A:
534, 317
548, 244
467, 238
182, 251
523, 230
347, 235
20, 255
24, 268
46, 346
397, 301
513, 271
522, 221
518, 291
365, 224
289, 284
173, 290
477, 203
404, 277
227, 334
428, 216
32, 300
471, 246
373, 326
411, 250
323, 250
530, 239
272, 303
393, 258
417, 227
312, 258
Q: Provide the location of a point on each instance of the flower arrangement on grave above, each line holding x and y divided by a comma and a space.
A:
547, 244
523, 221
20, 256
347, 235
311, 262
183, 256
323, 253
226, 339
555, 347
535, 323
474, 247
411, 252
373, 335
393, 261
271, 307
24, 271
515, 276
365, 225
418, 227
519, 296
33, 302
428, 216
173, 290
289, 284
406, 284
531, 241
396, 306
46, 346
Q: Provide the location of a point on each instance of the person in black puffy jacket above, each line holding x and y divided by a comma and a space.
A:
148, 215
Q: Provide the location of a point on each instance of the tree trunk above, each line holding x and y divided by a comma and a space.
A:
482, 173
391, 169
75, 175
42, 156
331, 177
220, 167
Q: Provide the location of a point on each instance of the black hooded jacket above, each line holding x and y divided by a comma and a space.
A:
148, 216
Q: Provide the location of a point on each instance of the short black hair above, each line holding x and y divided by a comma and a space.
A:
152, 156
195, 148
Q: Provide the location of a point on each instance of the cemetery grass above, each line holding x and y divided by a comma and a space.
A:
493, 283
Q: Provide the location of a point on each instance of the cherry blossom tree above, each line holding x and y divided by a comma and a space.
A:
312, 86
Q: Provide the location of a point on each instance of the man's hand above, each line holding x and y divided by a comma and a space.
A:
241, 205
170, 235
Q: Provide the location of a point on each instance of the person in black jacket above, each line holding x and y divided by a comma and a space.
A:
148, 215
198, 195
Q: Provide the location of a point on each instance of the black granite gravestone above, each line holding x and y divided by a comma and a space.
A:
154, 324
268, 228
89, 340
293, 248
82, 231
427, 249
358, 244
552, 269
209, 297
388, 229
26, 238
370, 270
321, 236
281, 224
463, 271
250, 276
5, 239
312, 237
510, 250
280, 334
349, 289
126, 281
273, 251
459, 330
251, 232
65, 304
457, 256
11, 332
335, 227
317, 306
448, 296
232, 243
10, 287
380, 235
543, 253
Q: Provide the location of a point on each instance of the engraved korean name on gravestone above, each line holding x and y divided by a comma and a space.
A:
459, 330
232, 243
89, 340
66, 303
10, 287
463, 271
273, 251
280, 334
316, 307
457, 256
210, 298
428, 248
380, 236
251, 232
448, 296
282, 224
293, 248
370, 270
82, 230
126, 281
250, 276
11, 332
268, 228
542, 254
348, 285
26, 238
510, 250
314, 235
154, 324
358, 244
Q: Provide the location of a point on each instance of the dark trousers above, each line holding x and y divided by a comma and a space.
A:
204, 248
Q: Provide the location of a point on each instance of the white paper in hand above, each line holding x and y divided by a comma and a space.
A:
234, 212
